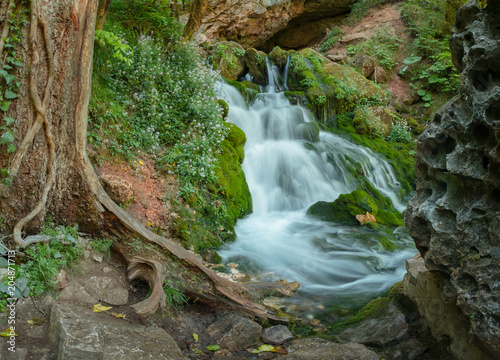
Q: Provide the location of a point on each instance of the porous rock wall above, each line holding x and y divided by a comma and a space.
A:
454, 217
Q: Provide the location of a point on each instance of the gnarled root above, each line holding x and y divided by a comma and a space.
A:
154, 273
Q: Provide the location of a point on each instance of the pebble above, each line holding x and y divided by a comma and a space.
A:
232, 265
314, 322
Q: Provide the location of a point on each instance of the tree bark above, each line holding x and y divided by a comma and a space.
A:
102, 12
196, 15
51, 173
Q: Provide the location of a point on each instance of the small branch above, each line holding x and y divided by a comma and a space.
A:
35, 305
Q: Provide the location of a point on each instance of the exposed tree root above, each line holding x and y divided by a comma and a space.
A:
41, 109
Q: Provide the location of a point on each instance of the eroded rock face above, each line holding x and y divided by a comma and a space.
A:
455, 214
251, 23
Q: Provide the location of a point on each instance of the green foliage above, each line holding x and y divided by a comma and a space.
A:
102, 245
121, 50
174, 297
146, 17
384, 47
45, 260
9, 65
400, 132
332, 38
430, 23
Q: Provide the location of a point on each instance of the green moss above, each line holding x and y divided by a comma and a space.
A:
308, 131
256, 62
278, 56
345, 208
231, 178
228, 58
371, 310
387, 244
296, 97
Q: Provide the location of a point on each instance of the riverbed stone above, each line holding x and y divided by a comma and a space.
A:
319, 349
233, 332
94, 289
79, 333
276, 335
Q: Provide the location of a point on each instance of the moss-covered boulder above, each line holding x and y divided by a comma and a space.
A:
373, 121
296, 97
345, 208
256, 62
278, 56
228, 57
231, 178
247, 88
308, 131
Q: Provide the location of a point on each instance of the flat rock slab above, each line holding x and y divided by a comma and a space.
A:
389, 326
276, 335
234, 332
319, 349
95, 288
79, 333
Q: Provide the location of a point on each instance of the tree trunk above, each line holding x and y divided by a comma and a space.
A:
102, 12
196, 15
50, 170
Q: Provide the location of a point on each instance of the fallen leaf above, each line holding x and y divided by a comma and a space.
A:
101, 308
263, 348
195, 337
197, 351
213, 347
140, 162
35, 321
281, 350
8, 332
117, 315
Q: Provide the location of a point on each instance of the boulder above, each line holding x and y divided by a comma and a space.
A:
256, 62
379, 75
120, 190
94, 289
79, 333
319, 349
374, 121
387, 326
454, 217
276, 335
234, 332
308, 131
228, 58
365, 64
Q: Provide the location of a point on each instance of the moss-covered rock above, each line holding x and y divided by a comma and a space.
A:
373, 121
296, 97
256, 62
228, 57
231, 178
345, 208
247, 89
278, 56
308, 131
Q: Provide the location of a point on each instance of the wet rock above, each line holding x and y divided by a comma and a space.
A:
435, 300
308, 131
211, 256
389, 326
234, 332
280, 288
256, 62
120, 190
276, 335
78, 333
95, 289
454, 217
319, 349
409, 349
228, 58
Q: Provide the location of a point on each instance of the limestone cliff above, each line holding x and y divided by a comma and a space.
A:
454, 217
252, 22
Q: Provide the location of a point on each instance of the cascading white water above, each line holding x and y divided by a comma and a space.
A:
286, 175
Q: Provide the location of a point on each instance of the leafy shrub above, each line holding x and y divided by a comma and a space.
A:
400, 132
333, 37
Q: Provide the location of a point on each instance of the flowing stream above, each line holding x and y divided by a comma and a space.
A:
286, 175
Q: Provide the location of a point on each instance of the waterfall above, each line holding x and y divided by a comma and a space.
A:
286, 175
285, 76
